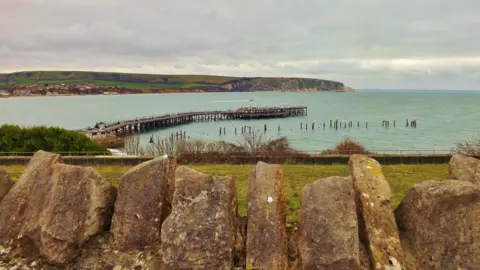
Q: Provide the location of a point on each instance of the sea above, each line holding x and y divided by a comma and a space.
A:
443, 118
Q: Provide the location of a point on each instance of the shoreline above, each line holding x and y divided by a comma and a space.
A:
179, 92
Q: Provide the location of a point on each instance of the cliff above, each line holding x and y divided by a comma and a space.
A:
69, 82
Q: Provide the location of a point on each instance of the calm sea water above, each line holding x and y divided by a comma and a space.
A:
443, 117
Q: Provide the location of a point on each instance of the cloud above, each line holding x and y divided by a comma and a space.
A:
365, 44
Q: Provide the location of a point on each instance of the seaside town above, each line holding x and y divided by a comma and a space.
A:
64, 89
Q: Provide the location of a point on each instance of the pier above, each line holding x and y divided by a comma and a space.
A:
168, 120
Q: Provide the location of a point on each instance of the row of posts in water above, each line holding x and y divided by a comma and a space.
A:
334, 124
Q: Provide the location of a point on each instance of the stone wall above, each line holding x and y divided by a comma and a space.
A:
239, 159
165, 216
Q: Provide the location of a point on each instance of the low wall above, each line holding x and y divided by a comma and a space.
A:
233, 159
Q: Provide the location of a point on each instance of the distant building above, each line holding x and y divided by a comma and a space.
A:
19, 92
4, 93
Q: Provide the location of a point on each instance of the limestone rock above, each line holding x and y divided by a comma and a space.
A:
56, 207
14, 206
439, 222
200, 232
266, 230
328, 229
377, 225
6, 183
464, 168
142, 196
66, 209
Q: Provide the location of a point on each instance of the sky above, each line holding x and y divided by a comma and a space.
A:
396, 44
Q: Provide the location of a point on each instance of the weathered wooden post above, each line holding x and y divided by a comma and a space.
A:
301, 125
330, 123
224, 132
358, 123
406, 123
265, 127
366, 124
235, 131
394, 124
278, 128
323, 125
220, 131
313, 126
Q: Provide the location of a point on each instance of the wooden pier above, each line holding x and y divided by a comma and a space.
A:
168, 120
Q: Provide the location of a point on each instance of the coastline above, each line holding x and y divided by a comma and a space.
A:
177, 92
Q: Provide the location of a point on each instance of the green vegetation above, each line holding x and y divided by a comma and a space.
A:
400, 177
16, 139
125, 80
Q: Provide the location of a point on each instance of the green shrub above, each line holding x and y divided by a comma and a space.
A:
16, 139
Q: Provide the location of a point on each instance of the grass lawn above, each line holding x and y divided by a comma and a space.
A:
400, 177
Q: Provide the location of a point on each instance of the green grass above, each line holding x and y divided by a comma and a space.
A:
400, 177
128, 80
130, 85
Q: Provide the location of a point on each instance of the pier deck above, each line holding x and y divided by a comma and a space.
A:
168, 120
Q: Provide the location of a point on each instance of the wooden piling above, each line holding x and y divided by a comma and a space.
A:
313, 126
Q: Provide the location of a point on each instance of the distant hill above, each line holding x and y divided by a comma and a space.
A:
161, 83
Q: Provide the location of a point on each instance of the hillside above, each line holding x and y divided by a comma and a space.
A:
66, 82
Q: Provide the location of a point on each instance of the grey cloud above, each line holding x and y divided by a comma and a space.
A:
339, 39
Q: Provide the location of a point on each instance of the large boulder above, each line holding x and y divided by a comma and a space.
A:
439, 222
14, 207
328, 227
201, 230
66, 209
143, 194
56, 207
464, 168
6, 183
267, 241
377, 222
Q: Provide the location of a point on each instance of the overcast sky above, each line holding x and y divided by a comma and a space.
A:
417, 44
